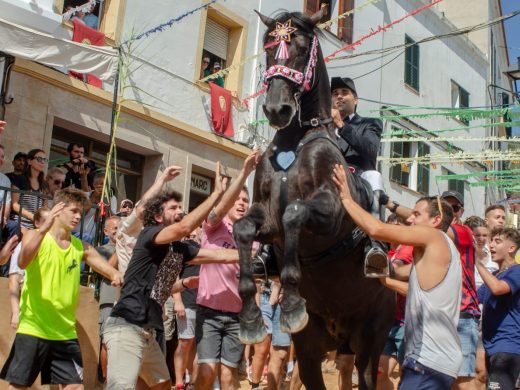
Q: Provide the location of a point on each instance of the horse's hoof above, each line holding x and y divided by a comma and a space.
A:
252, 332
294, 320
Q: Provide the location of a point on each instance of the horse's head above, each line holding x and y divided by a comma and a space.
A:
291, 47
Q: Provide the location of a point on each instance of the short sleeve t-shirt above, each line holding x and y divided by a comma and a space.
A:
218, 283
403, 255
149, 278
463, 238
501, 315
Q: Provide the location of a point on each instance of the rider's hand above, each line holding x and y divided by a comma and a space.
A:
336, 118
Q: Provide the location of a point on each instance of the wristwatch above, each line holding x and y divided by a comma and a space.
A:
396, 205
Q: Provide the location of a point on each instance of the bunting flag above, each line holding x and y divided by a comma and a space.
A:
465, 176
221, 118
86, 35
486, 157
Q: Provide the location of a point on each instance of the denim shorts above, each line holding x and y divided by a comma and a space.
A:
394, 346
416, 376
468, 334
216, 333
271, 316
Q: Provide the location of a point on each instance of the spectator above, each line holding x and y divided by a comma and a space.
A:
433, 354
219, 80
5, 196
482, 254
54, 180
19, 161
80, 170
468, 327
186, 313
93, 216
31, 181
204, 68
275, 347
16, 274
108, 294
126, 207
46, 339
90, 18
500, 295
217, 328
150, 278
495, 216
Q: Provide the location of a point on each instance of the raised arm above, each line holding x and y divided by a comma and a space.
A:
7, 249
230, 196
183, 228
167, 175
32, 239
417, 236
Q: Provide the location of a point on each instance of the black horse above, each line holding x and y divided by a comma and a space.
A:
326, 298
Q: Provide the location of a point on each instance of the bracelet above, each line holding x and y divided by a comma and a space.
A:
183, 285
394, 208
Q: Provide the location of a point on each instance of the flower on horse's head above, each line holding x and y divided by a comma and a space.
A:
283, 31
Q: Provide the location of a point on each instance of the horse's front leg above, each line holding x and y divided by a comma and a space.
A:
316, 214
252, 328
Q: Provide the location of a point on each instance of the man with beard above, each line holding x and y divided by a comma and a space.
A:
157, 259
80, 170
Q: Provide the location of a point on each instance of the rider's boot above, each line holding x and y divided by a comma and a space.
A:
376, 258
264, 262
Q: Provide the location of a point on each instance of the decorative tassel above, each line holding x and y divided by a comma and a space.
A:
282, 53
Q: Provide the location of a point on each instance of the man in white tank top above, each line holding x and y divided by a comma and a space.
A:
432, 348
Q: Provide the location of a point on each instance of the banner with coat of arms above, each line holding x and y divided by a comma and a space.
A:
88, 36
221, 118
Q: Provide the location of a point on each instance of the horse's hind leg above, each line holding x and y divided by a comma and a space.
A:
252, 329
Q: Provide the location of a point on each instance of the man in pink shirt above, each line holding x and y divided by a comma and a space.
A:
217, 325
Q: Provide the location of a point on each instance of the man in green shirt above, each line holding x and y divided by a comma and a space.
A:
46, 340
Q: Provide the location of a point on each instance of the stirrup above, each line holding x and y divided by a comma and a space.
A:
376, 264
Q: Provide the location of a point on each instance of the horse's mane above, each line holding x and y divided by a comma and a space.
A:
300, 20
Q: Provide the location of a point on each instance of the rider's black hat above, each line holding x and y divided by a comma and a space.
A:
342, 82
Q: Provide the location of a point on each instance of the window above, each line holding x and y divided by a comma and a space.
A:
423, 170
401, 172
223, 43
216, 42
346, 25
455, 184
411, 67
459, 99
129, 164
313, 6
105, 15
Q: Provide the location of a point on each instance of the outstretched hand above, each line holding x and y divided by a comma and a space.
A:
117, 279
339, 178
55, 211
170, 173
252, 161
2, 126
191, 282
220, 182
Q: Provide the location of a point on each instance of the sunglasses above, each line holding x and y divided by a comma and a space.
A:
127, 205
58, 182
456, 208
41, 159
205, 62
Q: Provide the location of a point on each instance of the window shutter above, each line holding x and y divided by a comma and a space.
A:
216, 39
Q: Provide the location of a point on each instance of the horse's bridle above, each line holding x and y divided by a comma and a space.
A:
304, 81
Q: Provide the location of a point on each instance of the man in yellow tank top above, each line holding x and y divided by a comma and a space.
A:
46, 339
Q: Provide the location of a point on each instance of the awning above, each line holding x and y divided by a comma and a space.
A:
23, 42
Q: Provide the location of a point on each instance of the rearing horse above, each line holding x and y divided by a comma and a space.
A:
296, 207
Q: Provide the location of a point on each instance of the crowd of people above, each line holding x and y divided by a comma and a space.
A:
169, 302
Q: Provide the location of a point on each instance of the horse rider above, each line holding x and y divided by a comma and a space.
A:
359, 139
